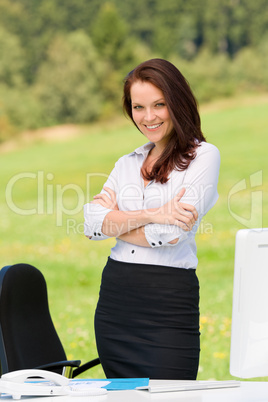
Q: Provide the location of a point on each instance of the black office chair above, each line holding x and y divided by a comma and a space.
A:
28, 339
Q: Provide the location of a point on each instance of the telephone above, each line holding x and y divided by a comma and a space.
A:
47, 383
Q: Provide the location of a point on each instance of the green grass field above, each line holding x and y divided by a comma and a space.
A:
44, 185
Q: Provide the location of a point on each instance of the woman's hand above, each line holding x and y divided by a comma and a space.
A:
176, 213
173, 212
106, 201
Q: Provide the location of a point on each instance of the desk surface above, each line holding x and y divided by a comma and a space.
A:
247, 392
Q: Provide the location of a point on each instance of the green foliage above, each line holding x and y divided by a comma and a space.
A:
12, 59
108, 33
18, 107
249, 70
68, 82
176, 28
210, 76
70, 57
118, 50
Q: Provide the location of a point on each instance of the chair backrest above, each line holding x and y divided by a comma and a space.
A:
28, 338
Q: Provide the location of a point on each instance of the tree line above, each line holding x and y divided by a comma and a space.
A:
64, 61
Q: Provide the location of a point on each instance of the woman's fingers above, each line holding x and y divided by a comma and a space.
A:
186, 222
110, 192
190, 208
180, 194
183, 226
99, 201
187, 207
107, 201
186, 218
112, 195
102, 196
102, 199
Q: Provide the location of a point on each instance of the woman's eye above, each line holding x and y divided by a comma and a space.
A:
137, 107
160, 105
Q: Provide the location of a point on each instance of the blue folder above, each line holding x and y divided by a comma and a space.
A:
118, 384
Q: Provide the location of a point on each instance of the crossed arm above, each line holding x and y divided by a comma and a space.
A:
170, 222
129, 225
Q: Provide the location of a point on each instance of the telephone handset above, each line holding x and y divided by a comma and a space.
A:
47, 383
20, 376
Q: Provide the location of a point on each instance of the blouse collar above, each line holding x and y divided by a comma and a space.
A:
144, 149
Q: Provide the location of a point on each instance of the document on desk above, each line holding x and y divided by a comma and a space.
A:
114, 384
188, 385
80, 383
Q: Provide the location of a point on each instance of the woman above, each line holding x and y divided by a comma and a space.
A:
147, 317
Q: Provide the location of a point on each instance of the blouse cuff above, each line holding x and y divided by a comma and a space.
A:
160, 235
94, 215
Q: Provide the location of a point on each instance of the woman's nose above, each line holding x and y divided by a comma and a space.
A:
149, 114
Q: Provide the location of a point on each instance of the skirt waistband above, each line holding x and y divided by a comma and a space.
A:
147, 275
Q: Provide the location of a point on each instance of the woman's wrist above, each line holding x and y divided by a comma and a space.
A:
117, 222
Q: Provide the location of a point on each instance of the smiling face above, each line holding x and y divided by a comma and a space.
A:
150, 113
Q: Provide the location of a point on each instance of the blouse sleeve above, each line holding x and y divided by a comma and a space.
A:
200, 182
94, 214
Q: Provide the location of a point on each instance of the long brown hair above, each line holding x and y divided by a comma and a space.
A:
183, 111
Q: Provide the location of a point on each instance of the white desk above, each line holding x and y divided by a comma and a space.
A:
247, 392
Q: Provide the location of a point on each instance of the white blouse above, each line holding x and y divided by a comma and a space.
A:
200, 180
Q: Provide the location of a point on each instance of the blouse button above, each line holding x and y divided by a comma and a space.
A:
132, 251
99, 234
160, 243
95, 234
153, 244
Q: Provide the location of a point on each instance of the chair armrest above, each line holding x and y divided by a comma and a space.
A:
86, 366
60, 365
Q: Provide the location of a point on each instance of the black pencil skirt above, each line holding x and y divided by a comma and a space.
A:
147, 321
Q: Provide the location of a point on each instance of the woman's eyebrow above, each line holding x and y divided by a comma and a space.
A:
158, 100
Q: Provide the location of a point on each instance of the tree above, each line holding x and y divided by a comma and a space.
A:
109, 35
68, 82
18, 109
12, 59
118, 49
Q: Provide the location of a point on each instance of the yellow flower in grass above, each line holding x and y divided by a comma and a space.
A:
203, 319
219, 355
